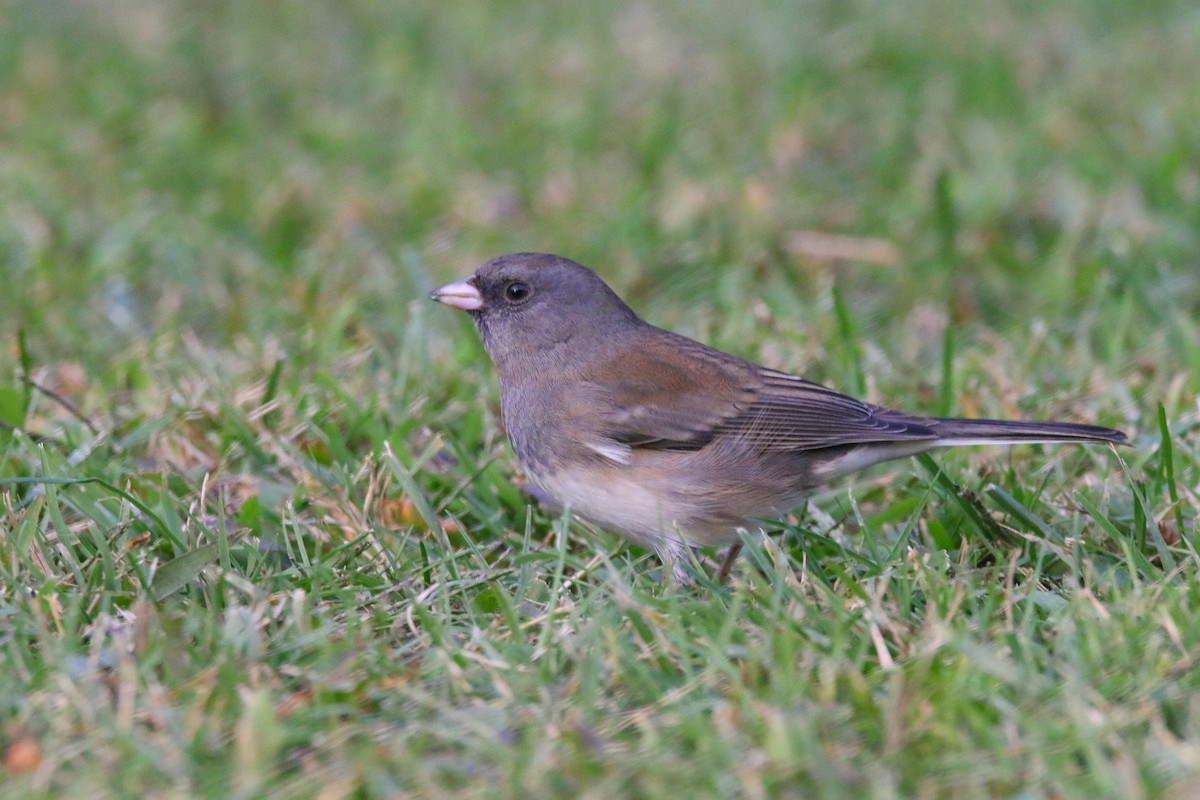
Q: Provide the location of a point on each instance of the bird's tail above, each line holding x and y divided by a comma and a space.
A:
997, 431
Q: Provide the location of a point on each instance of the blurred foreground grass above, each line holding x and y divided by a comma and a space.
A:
261, 535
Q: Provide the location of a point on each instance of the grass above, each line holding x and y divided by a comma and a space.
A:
261, 535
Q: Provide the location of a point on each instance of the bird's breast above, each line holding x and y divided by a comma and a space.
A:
614, 499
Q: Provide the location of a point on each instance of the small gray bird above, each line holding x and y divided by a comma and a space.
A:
664, 440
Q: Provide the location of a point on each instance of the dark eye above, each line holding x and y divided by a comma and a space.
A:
517, 292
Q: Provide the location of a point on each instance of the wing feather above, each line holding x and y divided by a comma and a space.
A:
691, 394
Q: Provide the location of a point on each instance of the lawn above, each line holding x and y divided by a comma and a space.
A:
260, 532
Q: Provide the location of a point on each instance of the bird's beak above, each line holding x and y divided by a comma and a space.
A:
461, 295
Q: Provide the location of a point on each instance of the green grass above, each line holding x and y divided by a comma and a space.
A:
260, 535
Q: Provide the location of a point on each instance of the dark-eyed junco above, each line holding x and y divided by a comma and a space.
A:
667, 441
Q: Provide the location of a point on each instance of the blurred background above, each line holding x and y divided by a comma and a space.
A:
296, 174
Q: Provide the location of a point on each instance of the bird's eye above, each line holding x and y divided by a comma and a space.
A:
517, 292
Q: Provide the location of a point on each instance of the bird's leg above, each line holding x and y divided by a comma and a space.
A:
727, 564
675, 556
681, 575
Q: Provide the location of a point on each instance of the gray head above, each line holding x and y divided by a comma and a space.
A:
536, 311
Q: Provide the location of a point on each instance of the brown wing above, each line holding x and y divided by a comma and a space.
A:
791, 413
680, 395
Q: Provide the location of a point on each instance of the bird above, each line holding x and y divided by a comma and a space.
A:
668, 442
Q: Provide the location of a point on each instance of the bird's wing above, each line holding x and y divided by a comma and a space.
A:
791, 413
676, 394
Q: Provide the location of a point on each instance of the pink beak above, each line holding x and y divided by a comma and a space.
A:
461, 295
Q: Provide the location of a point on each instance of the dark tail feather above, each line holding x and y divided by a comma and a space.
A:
999, 431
